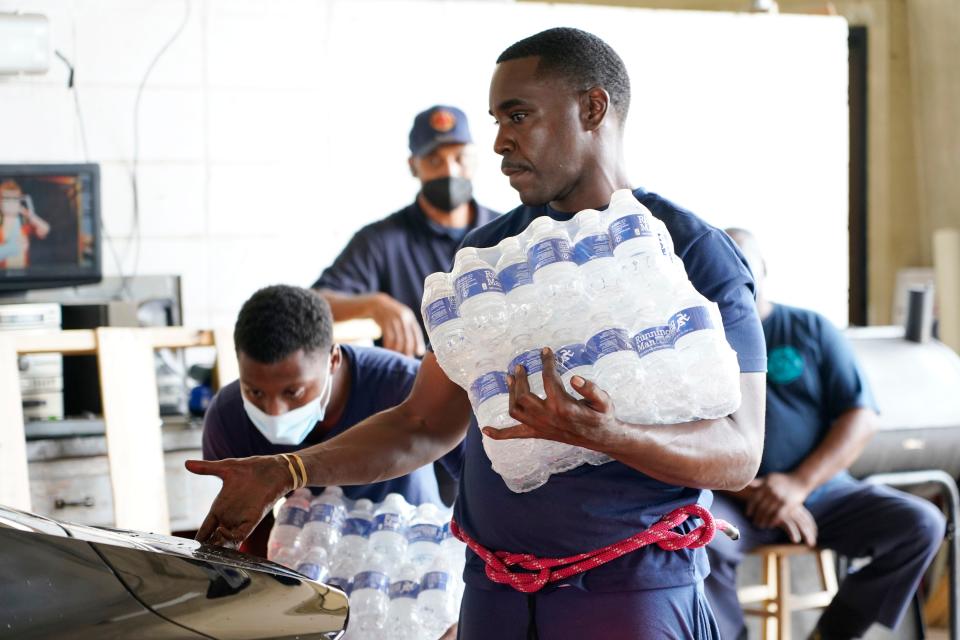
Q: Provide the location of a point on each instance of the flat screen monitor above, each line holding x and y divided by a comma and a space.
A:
49, 225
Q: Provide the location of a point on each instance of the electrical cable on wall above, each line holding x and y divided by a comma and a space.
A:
104, 234
135, 162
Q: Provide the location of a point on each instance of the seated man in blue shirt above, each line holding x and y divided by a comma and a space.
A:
297, 388
560, 99
820, 415
380, 273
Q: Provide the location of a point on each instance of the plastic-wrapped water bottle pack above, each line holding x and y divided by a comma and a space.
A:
606, 293
398, 563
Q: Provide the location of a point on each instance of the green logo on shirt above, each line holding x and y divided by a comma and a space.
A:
784, 364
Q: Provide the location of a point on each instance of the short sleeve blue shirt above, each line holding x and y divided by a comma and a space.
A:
593, 506
380, 379
396, 254
812, 379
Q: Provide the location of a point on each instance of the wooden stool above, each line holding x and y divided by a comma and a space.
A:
773, 596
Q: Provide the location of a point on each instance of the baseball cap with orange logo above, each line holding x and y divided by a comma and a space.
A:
438, 125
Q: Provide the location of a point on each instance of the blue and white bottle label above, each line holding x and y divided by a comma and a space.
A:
591, 248
529, 360
629, 227
371, 580
689, 320
404, 589
425, 533
652, 339
440, 311
326, 513
340, 583
515, 275
387, 522
475, 282
571, 356
608, 341
435, 580
294, 516
356, 527
488, 385
547, 252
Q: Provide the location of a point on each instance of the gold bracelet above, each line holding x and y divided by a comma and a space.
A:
303, 469
293, 473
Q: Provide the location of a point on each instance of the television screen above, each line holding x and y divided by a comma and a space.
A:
49, 225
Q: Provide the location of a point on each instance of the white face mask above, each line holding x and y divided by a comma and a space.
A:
293, 426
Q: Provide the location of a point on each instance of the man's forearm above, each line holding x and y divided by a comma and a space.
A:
388, 445
349, 306
843, 444
706, 454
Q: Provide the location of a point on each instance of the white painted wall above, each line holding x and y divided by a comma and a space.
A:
271, 130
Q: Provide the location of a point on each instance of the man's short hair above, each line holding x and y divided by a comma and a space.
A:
280, 320
581, 58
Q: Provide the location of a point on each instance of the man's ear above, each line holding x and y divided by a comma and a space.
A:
411, 162
594, 106
336, 358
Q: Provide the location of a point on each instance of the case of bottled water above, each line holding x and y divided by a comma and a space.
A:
398, 563
607, 294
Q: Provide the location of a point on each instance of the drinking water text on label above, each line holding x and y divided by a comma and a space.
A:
627, 228
608, 341
591, 248
440, 311
475, 282
547, 252
489, 385
515, 275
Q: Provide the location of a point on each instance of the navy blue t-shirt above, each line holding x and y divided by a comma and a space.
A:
380, 379
396, 254
812, 379
594, 506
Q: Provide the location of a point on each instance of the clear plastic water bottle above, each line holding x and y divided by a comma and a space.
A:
616, 364
290, 520
337, 578
543, 457
327, 513
353, 547
623, 202
453, 550
424, 535
635, 243
388, 537
489, 394
526, 314
660, 396
712, 381
601, 272
403, 619
480, 297
315, 564
555, 274
369, 596
574, 358
436, 600
289, 557
445, 327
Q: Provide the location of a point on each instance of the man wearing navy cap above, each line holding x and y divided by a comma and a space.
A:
380, 273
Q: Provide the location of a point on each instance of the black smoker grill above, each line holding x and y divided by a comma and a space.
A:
917, 389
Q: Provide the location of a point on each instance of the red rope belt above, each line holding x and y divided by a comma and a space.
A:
499, 563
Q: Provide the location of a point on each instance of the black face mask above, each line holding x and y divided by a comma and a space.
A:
448, 193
